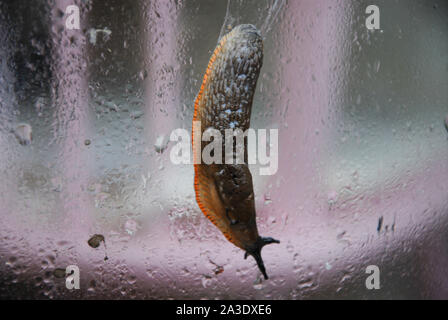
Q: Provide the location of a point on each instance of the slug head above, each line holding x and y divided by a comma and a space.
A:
236, 195
255, 251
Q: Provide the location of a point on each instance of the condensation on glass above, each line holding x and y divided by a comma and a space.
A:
86, 115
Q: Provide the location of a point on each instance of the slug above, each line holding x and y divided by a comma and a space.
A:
224, 192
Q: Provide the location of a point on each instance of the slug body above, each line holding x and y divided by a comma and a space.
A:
224, 192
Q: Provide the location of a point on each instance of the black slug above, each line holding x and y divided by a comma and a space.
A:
224, 192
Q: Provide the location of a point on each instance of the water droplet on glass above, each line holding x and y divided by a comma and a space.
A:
23, 133
332, 197
218, 270
161, 143
143, 74
258, 283
131, 226
267, 198
96, 240
206, 281
59, 273
136, 114
377, 66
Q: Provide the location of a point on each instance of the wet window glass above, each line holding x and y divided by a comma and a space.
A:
348, 103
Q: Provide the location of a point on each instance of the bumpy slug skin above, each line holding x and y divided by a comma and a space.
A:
224, 192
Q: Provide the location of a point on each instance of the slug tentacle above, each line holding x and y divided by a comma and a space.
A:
224, 192
256, 252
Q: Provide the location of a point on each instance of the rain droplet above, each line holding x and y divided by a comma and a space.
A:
380, 224
92, 286
131, 226
96, 240
332, 197
206, 281
143, 74
11, 261
258, 283
267, 198
23, 134
218, 269
340, 235
377, 66
161, 143
59, 273
136, 114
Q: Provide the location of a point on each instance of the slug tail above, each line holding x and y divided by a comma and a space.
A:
256, 253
